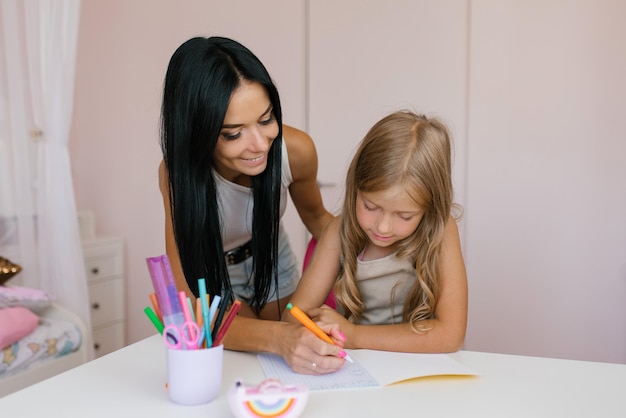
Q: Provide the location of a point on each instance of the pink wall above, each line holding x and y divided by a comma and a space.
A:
534, 94
546, 237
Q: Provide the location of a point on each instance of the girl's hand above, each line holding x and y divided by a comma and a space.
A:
327, 315
305, 353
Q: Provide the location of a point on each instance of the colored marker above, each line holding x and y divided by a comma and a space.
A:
220, 314
205, 311
155, 306
213, 309
154, 319
193, 314
199, 318
201, 339
186, 311
227, 322
311, 326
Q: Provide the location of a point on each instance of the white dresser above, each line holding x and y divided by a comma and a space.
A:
104, 264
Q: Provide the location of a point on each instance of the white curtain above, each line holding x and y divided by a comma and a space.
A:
38, 218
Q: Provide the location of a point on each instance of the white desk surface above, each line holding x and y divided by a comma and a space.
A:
131, 382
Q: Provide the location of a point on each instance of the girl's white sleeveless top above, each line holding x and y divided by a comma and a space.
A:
384, 284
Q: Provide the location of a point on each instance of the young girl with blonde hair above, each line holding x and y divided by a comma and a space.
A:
393, 257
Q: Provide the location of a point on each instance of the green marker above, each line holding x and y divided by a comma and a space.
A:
154, 319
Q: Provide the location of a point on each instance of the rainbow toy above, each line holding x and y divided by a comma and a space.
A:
270, 399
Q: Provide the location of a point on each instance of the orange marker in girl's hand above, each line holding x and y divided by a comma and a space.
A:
311, 326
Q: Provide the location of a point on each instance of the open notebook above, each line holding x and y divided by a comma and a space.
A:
371, 368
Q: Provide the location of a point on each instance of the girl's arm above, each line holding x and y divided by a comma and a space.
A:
447, 329
304, 190
321, 272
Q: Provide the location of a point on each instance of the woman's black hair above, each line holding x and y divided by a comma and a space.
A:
201, 77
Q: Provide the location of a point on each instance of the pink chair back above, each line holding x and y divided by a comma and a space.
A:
330, 300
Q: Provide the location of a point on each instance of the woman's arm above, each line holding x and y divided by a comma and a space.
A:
298, 346
304, 190
171, 248
447, 329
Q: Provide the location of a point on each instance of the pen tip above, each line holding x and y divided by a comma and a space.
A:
289, 305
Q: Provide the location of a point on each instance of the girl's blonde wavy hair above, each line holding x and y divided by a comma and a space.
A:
413, 151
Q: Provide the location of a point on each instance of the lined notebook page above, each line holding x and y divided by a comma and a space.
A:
371, 368
351, 375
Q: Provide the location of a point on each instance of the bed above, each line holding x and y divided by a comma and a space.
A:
58, 343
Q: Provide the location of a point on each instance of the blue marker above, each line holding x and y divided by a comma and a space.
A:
214, 304
205, 312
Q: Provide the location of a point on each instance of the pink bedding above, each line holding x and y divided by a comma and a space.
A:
51, 338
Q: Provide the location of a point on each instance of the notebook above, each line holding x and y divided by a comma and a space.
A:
371, 368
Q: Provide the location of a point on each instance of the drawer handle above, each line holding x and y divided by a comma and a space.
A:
96, 346
95, 270
95, 305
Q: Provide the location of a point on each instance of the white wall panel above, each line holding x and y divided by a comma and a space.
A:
546, 236
369, 58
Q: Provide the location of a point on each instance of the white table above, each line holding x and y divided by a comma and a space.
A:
131, 383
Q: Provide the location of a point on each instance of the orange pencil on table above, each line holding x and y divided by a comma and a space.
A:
311, 326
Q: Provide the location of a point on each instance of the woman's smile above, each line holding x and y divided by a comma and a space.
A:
256, 160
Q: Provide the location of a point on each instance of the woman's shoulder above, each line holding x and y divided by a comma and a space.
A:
300, 146
162, 171
301, 151
294, 134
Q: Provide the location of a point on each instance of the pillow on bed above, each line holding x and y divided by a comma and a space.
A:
34, 299
17, 322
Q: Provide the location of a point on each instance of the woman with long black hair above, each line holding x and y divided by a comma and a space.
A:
228, 164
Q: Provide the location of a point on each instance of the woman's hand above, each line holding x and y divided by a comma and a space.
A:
305, 353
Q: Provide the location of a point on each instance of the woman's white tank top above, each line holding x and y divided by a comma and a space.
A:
235, 205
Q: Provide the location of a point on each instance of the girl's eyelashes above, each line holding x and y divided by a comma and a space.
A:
404, 216
369, 207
